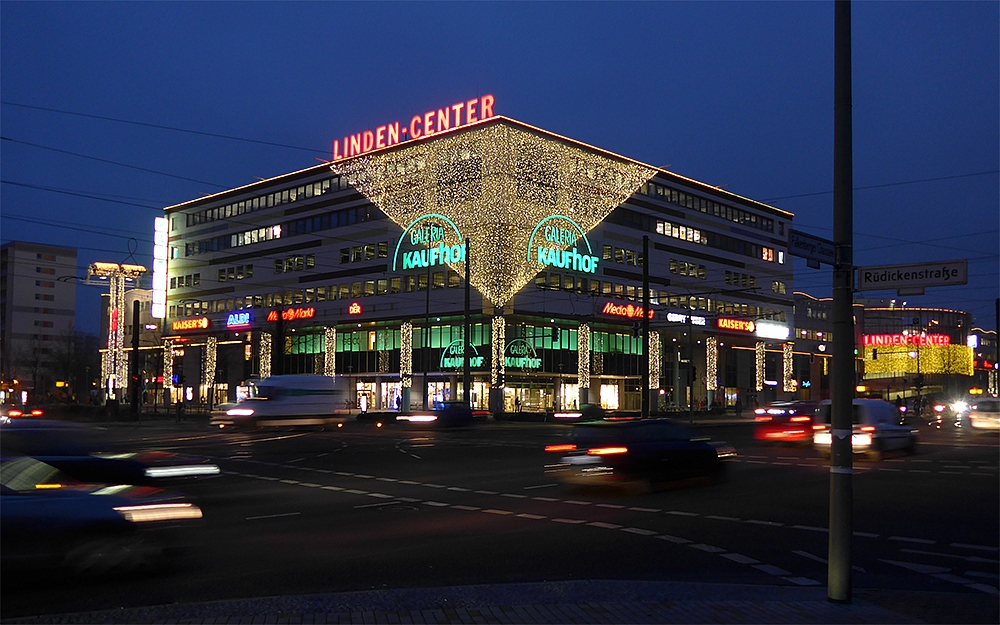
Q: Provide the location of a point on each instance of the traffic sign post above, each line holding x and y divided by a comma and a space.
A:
814, 249
913, 279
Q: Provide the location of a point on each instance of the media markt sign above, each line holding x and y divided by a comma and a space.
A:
912, 279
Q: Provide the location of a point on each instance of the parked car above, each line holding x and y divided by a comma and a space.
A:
785, 422
52, 523
639, 455
85, 454
875, 429
984, 414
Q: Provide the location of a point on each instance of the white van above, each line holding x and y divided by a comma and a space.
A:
876, 429
288, 400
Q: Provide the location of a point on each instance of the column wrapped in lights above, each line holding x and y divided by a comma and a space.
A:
105, 368
406, 354
583, 355
265, 355
117, 366
712, 363
991, 384
788, 372
211, 361
498, 345
168, 364
760, 365
655, 359
330, 352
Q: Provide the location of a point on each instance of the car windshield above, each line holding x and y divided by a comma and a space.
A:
987, 405
24, 474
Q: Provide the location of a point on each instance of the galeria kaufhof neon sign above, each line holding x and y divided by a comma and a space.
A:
556, 237
430, 123
425, 230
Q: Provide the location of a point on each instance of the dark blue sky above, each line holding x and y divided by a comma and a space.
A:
735, 94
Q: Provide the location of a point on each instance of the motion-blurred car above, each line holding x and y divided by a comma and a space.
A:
639, 455
445, 413
15, 412
785, 421
84, 454
984, 414
50, 522
875, 429
587, 413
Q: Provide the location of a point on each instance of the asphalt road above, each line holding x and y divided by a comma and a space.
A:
360, 507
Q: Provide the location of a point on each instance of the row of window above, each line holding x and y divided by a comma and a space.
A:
684, 233
691, 270
192, 279
711, 207
45, 297
238, 272
44, 324
777, 286
360, 253
45, 284
736, 278
622, 256
278, 198
48, 257
294, 263
326, 221
814, 335
45, 270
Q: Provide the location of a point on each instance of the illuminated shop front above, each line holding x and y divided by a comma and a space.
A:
356, 269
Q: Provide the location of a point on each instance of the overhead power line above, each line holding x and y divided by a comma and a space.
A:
162, 127
887, 184
78, 194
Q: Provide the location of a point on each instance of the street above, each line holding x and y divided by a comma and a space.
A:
361, 507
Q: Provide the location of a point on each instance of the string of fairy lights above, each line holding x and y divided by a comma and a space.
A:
759, 362
711, 363
583, 355
788, 374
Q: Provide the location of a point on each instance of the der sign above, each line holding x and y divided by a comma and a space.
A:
912, 279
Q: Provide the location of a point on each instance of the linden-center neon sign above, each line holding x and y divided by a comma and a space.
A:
431, 235
556, 238
430, 123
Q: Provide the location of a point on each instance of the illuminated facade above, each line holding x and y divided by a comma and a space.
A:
368, 253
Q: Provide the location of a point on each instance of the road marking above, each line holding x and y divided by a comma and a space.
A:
364, 477
376, 505
495, 511
769, 523
458, 489
355, 491
721, 518
607, 526
866, 535
290, 481
708, 548
810, 527
540, 486
549, 499
386, 479
679, 513
640, 531
409, 482
771, 569
577, 503
570, 521
272, 516
636, 509
486, 492
513, 495
981, 547
801, 581
435, 485
469, 508
381, 496
331, 488
674, 539
535, 517
310, 485
919, 541
436, 504
610, 505
740, 558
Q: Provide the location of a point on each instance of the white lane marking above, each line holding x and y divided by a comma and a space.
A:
272, 516
295, 460
486, 492
708, 548
513, 495
381, 496
810, 527
435, 485
674, 539
409, 482
981, 547
768, 523
679, 513
612, 506
495, 511
919, 568
645, 509
469, 508
640, 531
570, 521
740, 558
993, 576
950, 555
919, 541
806, 554
801, 581
607, 526
331, 488
535, 517
541, 486
548, 499
364, 477
458, 489
380, 504
771, 569
577, 503
386, 479
436, 504
721, 518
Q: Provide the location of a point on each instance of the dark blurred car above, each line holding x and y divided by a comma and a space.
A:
83, 453
445, 413
16, 412
587, 413
785, 421
50, 522
640, 455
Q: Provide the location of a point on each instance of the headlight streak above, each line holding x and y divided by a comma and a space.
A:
182, 471
159, 512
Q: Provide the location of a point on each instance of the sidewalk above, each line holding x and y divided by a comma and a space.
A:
568, 602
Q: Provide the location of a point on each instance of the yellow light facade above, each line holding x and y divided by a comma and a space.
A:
330, 352
787, 367
265, 355
583, 355
406, 354
711, 363
760, 365
655, 359
495, 182
912, 359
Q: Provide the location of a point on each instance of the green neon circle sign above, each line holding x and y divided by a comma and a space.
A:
555, 254
425, 259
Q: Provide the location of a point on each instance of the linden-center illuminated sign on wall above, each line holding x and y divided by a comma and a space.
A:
550, 239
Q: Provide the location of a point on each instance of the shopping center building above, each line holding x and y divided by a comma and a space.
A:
356, 268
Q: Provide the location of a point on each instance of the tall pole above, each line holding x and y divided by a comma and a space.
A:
135, 379
841, 456
690, 372
645, 327
467, 334
426, 337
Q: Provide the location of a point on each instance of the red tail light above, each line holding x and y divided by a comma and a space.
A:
14, 413
800, 419
558, 448
607, 451
867, 428
819, 427
36, 413
762, 418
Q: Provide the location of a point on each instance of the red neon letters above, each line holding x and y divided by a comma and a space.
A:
629, 311
740, 325
430, 123
292, 314
878, 340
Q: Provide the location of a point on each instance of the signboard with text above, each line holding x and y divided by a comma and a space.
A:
912, 279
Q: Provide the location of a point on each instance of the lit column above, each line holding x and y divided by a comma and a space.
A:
330, 355
712, 363
117, 366
406, 363
760, 366
211, 360
499, 343
787, 366
655, 370
168, 368
265, 355
583, 362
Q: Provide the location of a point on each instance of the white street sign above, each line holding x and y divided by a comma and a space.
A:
913, 277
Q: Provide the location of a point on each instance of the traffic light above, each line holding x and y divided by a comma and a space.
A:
636, 329
555, 334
